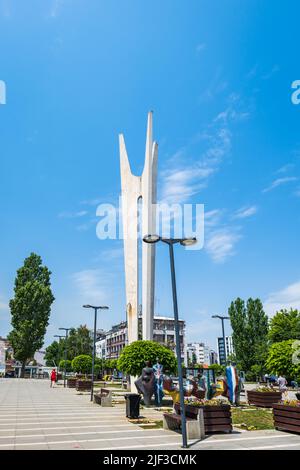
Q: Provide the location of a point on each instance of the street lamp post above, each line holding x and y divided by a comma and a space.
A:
222, 318
66, 339
171, 242
94, 340
60, 337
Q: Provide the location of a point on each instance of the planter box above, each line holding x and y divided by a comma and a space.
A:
83, 385
263, 399
71, 383
286, 418
216, 418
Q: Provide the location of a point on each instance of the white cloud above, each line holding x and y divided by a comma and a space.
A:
280, 182
220, 244
92, 285
72, 215
180, 184
289, 297
245, 212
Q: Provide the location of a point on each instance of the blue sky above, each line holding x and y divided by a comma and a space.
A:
218, 76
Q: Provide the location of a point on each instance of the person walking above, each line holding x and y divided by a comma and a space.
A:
53, 378
282, 382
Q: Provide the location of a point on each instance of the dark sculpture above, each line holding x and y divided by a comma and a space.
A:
145, 384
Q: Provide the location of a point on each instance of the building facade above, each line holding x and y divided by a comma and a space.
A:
198, 353
112, 343
221, 348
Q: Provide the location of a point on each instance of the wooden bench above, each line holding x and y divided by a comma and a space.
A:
194, 423
104, 398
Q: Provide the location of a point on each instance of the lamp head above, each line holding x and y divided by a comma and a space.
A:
188, 241
151, 238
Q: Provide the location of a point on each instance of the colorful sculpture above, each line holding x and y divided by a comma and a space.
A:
232, 380
158, 389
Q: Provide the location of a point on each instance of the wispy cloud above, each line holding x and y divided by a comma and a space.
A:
87, 225
297, 192
279, 182
270, 74
92, 202
92, 285
285, 168
289, 297
245, 212
72, 215
220, 244
252, 72
216, 86
200, 47
180, 184
213, 217
55, 8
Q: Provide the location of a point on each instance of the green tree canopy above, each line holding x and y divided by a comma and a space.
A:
285, 325
133, 357
250, 329
284, 359
30, 309
54, 353
82, 364
68, 365
219, 369
79, 342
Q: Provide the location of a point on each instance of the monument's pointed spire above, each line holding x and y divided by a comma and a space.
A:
149, 142
124, 162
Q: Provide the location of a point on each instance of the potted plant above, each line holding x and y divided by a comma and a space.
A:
71, 382
263, 396
217, 414
83, 385
286, 415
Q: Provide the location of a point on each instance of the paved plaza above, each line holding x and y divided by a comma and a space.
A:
33, 416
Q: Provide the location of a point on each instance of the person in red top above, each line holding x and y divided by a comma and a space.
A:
53, 377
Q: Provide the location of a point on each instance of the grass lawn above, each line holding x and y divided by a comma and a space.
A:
252, 418
108, 384
147, 423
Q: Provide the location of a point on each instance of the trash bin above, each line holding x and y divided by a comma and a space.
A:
132, 405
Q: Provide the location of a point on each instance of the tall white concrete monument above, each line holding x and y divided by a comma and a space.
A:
139, 193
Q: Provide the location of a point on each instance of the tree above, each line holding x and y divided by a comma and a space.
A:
133, 357
285, 325
284, 359
82, 364
218, 368
30, 309
79, 342
54, 353
250, 329
68, 364
111, 364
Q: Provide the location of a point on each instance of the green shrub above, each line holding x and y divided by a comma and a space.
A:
82, 364
133, 357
